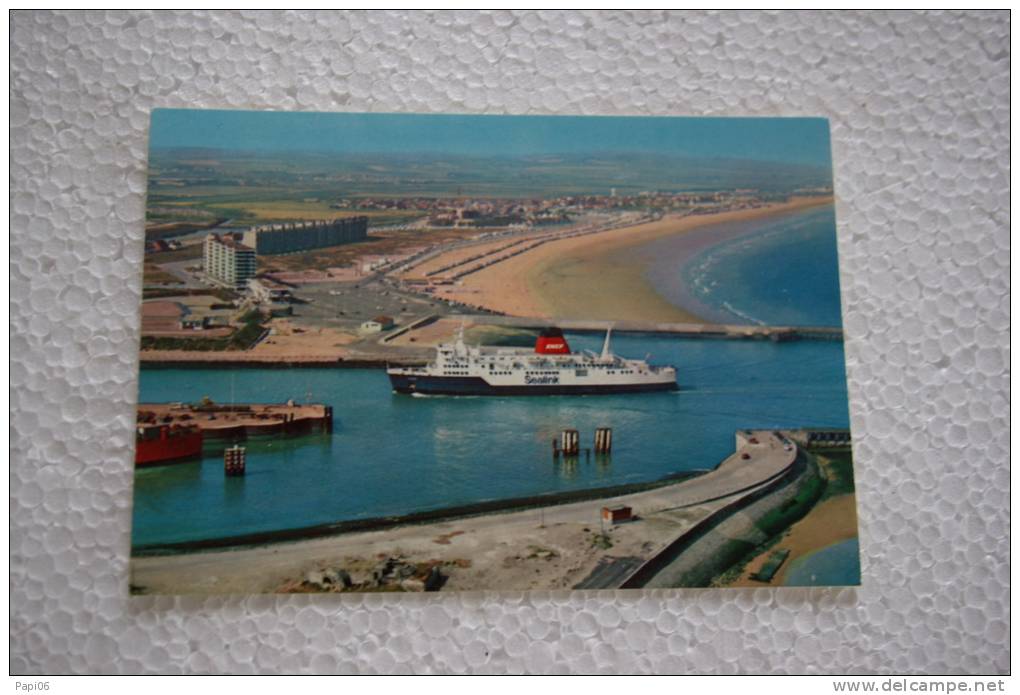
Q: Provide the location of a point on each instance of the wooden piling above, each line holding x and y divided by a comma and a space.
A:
570, 443
603, 440
234, 460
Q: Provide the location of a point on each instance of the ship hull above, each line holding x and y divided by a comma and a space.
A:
174, 449
476, 386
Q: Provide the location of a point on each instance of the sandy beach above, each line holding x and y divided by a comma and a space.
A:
599, 276
832, 521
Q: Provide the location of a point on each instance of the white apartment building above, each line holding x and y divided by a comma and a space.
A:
228, 261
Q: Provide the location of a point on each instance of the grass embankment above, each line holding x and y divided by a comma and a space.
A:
808, 494
838, 465
835, 482
241, 339
735, 552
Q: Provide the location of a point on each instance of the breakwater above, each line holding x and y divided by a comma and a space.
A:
388, 522
403, 356
706, 550
685, 330
392, 454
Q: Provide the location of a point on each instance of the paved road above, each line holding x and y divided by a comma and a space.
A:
610, 573
748, 467
706, 555
348, 305
483, 538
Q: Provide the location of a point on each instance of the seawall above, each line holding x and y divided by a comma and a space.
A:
381, 523
718, 541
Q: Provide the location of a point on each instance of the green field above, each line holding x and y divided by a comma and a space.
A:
243, 205
253, 186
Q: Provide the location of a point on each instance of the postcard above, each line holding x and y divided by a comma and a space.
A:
406, 353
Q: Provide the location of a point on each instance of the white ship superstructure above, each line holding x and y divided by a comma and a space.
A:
460, 369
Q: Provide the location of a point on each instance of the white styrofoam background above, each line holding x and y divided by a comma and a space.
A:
920, 124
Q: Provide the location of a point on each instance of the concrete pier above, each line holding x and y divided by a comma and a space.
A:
691, 330
241, 420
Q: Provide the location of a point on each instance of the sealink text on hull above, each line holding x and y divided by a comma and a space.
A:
550, 369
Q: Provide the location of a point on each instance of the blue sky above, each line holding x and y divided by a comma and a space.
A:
787, 140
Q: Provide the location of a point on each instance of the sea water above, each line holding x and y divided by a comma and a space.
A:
835, 565
780, 271
394, 454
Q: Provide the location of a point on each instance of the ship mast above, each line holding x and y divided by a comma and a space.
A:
607, 352
460, 348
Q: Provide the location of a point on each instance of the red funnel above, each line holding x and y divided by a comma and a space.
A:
551, 342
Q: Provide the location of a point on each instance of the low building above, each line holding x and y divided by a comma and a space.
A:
378, 324
617, 515
266, 291
228, 261
217, 321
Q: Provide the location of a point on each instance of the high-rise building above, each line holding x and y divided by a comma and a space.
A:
304, 236
229, 261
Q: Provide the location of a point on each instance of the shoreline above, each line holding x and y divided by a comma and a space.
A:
381, 523
809, 556
672, 279
541, 546
601, 275
182, 359
829, 522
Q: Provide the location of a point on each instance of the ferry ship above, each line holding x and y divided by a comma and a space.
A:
550, 369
